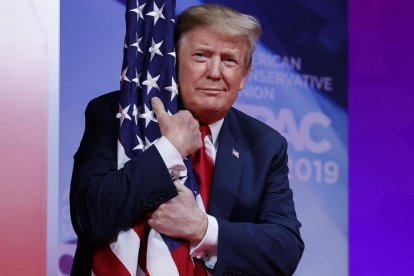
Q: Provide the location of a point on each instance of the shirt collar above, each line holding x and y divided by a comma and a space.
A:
215, 130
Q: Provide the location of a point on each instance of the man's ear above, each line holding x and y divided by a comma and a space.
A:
244, 78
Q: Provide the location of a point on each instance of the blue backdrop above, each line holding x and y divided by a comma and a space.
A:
298, 86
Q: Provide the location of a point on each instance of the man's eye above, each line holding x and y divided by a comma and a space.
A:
230, 62
200, 56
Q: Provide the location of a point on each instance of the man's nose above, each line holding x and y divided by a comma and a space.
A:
214, 68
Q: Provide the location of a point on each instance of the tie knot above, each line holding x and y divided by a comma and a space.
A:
205, 130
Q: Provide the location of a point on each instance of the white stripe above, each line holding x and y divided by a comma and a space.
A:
122, 157
126, 248
140, 272
199, 202
159, 259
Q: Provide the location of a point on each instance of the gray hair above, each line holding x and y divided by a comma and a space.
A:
223, 19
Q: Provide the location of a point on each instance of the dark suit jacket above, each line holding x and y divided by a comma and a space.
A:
250, 194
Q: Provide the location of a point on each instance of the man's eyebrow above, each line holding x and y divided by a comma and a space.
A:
228, 50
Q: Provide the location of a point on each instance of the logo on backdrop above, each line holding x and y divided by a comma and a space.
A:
289, 100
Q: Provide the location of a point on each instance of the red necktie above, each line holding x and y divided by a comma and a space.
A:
203, 167
203, 170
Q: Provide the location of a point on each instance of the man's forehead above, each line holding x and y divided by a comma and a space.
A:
208, 38
211, 31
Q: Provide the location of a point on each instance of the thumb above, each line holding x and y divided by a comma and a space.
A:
158, 108
180, 187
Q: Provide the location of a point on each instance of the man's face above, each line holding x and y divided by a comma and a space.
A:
211, 71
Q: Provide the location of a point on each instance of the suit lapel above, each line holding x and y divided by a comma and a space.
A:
227, 171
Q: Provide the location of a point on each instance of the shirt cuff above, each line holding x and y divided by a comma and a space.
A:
171, 157
206, 250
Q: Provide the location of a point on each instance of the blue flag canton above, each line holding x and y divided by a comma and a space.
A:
148, 70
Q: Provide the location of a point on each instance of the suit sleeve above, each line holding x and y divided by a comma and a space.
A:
104, 200
270, 243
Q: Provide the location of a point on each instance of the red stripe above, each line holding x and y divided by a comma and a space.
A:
105, 263
183, 260
199, 269
142, 229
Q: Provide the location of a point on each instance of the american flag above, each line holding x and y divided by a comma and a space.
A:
148, 70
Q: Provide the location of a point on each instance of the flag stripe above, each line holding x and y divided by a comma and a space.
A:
126, 248
159, 260
106, 263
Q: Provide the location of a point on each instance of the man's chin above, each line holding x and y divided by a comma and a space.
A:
208, 115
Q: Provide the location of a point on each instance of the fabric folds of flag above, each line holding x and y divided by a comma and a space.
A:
148, 70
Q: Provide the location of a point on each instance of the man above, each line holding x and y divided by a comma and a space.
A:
250, 227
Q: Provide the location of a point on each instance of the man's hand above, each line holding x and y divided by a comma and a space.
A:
181, 129
180, 217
